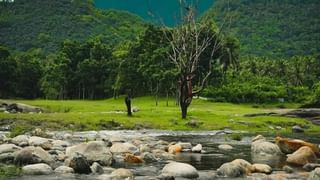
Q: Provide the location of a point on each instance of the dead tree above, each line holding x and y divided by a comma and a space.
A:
188, 42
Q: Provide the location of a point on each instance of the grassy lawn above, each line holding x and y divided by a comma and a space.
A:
103, 114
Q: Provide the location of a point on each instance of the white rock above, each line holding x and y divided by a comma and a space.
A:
9, 148
39, 141
37, 169
122, 173
225, 147
262, 168
261, 146
197, 148
21, 139
315, 174
123, 148
182, 170
64, 170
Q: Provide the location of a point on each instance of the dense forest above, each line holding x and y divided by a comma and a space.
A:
45, 24
273, 28
70, 50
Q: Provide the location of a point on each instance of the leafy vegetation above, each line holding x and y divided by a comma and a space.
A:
7, 171
282, 28
111, 114
46, 24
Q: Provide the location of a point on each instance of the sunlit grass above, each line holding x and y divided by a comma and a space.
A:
91, 115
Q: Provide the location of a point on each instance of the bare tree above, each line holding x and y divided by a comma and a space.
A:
189, 41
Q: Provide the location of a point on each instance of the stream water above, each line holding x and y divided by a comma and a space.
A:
206, 163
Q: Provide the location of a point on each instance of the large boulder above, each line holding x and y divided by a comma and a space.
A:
236, 168
121, 148
80, 164
289, 146
37, 169
261, 146
9, 148
314, 175
94, 151
180, 170
41, 142
302, 156
32, 155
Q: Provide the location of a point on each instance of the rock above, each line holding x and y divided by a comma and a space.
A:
130, 158
261, 146
173, 149
269, 159
225, 147
315, 174
236, 168
37, 169
182, 170
39, 141
122, 148
117, 139
96, 168
288, 169
94, 151
122, 173
6, 158
32, 155
63, 170
144, 148
297, 129
231, 170
302, 156
197, 148
9, 148
19, 107
258, 176
261, 168
58, 144
194, 123
149, 157
80, 164
289, 146
185, 145
20, 140
311, 166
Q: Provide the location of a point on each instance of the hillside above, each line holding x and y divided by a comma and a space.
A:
273, 28
26, 24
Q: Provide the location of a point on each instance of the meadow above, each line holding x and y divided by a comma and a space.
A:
77, 115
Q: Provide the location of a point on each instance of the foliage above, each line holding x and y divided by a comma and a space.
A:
281, 28
263, 80
45, 24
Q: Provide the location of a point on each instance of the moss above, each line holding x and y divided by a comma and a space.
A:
7, 171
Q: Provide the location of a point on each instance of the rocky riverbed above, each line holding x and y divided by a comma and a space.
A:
153, 154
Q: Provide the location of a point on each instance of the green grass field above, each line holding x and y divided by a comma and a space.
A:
104, 114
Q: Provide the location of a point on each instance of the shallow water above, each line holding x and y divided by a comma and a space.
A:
209, 161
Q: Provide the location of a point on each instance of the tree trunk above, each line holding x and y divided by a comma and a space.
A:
185, 96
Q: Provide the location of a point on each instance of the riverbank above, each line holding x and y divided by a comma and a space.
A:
110, 115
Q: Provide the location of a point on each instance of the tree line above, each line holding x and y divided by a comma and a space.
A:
96, 70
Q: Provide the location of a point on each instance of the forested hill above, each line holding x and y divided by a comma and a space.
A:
26, 24
274, 28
